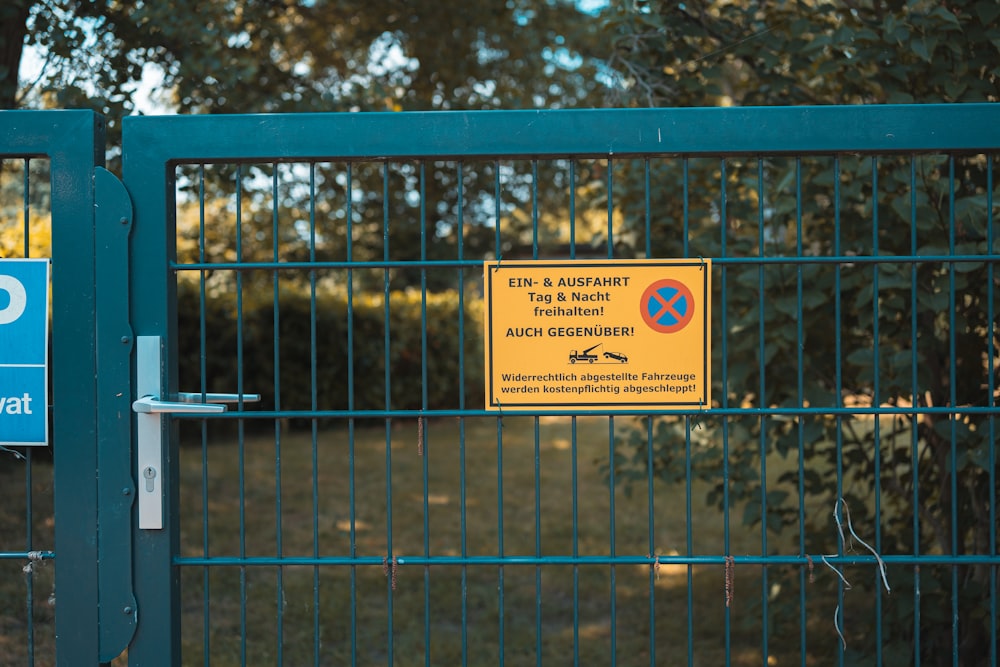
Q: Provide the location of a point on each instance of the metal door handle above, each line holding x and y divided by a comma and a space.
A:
151, 404
189, 403
198, 397
151, 427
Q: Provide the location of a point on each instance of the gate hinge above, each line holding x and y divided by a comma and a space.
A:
118, 613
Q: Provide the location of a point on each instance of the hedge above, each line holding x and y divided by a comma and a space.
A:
337, 356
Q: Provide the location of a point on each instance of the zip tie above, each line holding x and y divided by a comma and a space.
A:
836, 519
881, 563
420, 436
696, 420
18, 455
389, 569
499, 259
836, 626
839, 573
730, 579
33, 558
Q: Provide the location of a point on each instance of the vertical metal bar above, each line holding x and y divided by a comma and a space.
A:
75, 150
723, 226
497, 248
461, 421
611, 540
29, 452
26, 208
575, 488
534, 209
611, 254
574, 472
572, 209
537, 443
876, 403
914, 392
611, 449
953, 417
647, 210
29, 546
650, 506
314, 405
762, 401
685, 196
500, 554
351, 454
688, 471
689, 538
538, 544
386, 351
500, 550
800, 402
991, 402
203, 385
275, 277
423, 406
241, 425
838, 385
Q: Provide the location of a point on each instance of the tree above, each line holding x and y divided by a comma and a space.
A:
284, 55
226, 56
909, 334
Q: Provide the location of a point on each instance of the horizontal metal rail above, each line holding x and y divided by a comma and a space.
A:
517, 559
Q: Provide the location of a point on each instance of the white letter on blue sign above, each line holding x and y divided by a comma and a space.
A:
18, 299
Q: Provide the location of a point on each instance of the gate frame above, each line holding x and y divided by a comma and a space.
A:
153, 146
92, 492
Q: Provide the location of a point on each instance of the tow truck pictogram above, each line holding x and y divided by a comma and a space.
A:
586, 355
590, 356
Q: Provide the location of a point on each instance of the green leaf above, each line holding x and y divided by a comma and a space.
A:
923, 47
987, 11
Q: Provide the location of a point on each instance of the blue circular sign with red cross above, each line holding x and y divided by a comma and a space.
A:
667, 306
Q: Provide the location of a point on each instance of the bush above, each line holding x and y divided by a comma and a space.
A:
257, 347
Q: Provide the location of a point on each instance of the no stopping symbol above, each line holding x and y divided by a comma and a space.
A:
667, 306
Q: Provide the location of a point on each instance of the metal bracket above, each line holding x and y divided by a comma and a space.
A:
118, 613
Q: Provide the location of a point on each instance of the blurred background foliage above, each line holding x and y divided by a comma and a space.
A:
819, 334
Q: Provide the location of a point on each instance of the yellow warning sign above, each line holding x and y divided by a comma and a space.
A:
598, 334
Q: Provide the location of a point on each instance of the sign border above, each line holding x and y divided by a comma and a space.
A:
492, 266
45, 365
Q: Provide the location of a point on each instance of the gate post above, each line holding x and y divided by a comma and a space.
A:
77, 145
73, 142
93, 487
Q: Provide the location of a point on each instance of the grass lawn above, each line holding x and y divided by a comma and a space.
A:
230, 493
338, 610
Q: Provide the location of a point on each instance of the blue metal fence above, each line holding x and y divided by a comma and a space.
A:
836, 504
26, 552
855, 361
48, 162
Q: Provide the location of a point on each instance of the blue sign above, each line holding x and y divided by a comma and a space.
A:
24, 352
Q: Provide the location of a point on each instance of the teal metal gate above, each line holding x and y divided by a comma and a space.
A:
855, 253
56, 160
836, 503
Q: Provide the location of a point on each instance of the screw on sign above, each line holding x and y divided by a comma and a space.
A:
667, 306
